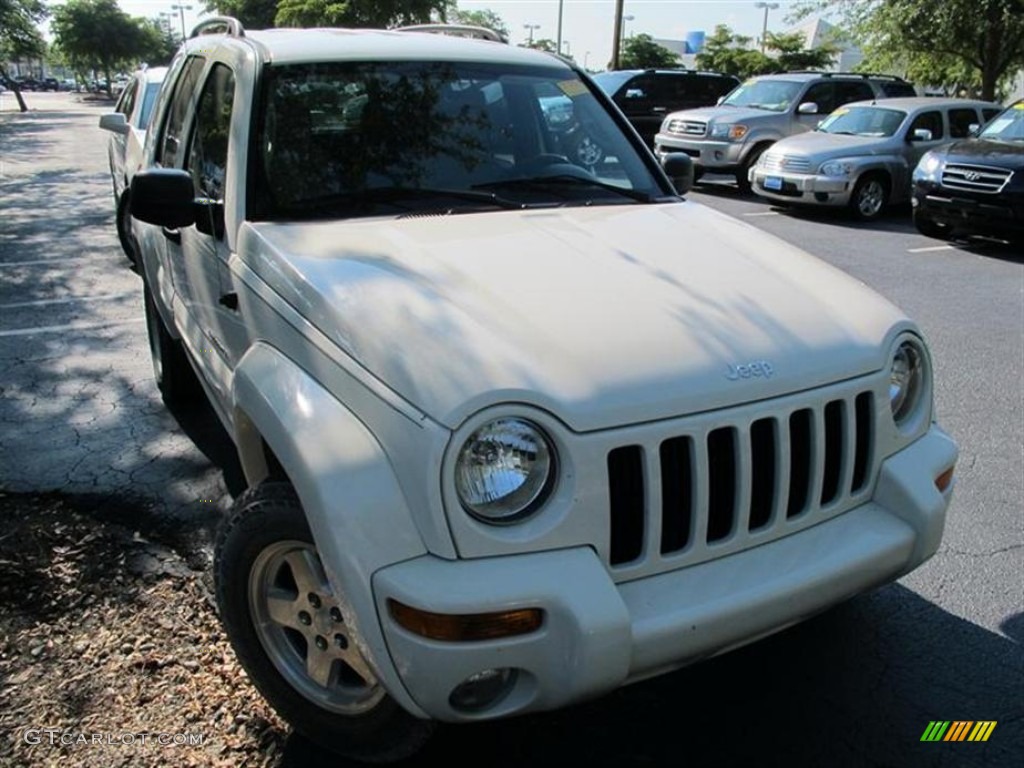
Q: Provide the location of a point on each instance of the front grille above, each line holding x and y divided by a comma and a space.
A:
975, 178
679, 498
776, 162
687, 127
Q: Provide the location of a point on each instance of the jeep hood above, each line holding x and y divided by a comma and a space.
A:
603, 316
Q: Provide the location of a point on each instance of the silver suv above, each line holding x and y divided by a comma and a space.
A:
731, 137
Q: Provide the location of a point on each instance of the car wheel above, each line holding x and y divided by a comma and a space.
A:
931, 228
742, 180
124, 228
869, 198
175, 378
286, 623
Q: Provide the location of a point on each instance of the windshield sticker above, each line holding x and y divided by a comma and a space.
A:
1019, 106
998, 125
841, 111
572, 87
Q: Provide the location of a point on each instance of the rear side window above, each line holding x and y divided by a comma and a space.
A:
960, 121
170, 145
126, 103
894, 89
990, 113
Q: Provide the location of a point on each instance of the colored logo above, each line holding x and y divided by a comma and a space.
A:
958, 730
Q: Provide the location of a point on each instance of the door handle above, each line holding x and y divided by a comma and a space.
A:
174, 235
659, 109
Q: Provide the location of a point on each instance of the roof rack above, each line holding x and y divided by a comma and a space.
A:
862, 75
456, 30
219, 25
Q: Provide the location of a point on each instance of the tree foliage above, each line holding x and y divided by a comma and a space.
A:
981, 41
641, 52
730, 53
97, 34
254, 14
358, 13
484, 18
19, 36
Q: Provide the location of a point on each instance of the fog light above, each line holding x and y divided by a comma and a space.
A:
466, 627
482, 690
943, 481
821, 197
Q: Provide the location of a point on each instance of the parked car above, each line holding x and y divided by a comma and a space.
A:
731, 137
975, 186
127, 124
862, 155
517, 430
645, 96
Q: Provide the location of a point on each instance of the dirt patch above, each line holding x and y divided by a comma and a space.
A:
111, 653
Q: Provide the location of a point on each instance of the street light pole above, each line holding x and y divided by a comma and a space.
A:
559, 41
530, 28
764, 29
181, 10
617, 34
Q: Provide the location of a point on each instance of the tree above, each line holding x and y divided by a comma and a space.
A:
97, 34
254, 14
19, 36
641, 52
541, 44
985, 36
358, 13
730, 54
484, 18
792, 55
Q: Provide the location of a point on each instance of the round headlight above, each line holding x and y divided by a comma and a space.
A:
835, 169
906, 379
930, 163
505, 471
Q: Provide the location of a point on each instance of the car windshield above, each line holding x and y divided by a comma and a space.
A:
359, 139
773, 95
863, 121
1008, 126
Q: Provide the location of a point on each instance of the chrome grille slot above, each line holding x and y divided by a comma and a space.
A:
687, 127
777, 162
975, 178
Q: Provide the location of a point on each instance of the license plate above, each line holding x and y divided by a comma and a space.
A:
772, 182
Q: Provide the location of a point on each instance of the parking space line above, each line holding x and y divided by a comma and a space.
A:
762, 213
930, 248
69, 300
69, 327
60, 260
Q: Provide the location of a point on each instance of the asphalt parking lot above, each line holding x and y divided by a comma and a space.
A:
79, 413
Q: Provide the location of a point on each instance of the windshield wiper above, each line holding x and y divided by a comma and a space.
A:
545, 182
390, 195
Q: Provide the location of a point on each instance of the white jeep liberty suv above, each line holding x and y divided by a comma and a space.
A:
517, 430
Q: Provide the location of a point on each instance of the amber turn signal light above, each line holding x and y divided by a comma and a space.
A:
463, 628
943, 481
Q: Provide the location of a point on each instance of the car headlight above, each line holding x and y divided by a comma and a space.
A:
835, 168
505, 471
928, 167
906, 381
730, 131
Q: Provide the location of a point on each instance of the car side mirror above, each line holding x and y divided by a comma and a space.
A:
634, 93
973, 129
679, 169
114, 122
808, 108
921, 134
720, 101
163, 196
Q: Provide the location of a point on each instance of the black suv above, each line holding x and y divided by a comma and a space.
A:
645, 96
975, 186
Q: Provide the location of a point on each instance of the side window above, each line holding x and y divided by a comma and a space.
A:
931, 121
126, 103
989, 113
170, 144
820, 94
208, 156
852, 91
960, 121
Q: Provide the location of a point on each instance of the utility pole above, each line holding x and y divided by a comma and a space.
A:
617, 34
558, 43
181, 10
764, 29
530, 28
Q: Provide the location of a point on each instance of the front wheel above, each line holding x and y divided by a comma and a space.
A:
287, 625
869, 198
743, 174
124, 228
175, 378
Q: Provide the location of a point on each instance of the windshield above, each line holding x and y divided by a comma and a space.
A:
359, 139
863, 121
1008, 126
773, 95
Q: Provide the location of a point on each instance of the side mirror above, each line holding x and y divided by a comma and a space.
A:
163, 196
921, 134
114, 122
808, 108
720, 100
973, 129
634, 93
679, 169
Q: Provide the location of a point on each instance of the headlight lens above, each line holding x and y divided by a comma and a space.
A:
834, 168
733, 132
505, 471
930, 163
906, 381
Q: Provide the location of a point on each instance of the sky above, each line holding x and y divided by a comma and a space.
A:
586, 24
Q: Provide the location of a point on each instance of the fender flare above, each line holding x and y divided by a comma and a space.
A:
343, 479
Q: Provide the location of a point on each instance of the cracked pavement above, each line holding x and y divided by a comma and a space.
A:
79, 413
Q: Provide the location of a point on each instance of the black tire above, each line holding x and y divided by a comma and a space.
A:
742, 176
174, 376
870, 197
351, 716
931, 228
124, 228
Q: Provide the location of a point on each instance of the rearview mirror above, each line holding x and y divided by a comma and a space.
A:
921, 134
808, 108
163, 196
679, 169
114, 122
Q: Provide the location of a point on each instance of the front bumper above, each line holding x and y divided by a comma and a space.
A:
712, 156
981, 214
598, 635
802, 188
